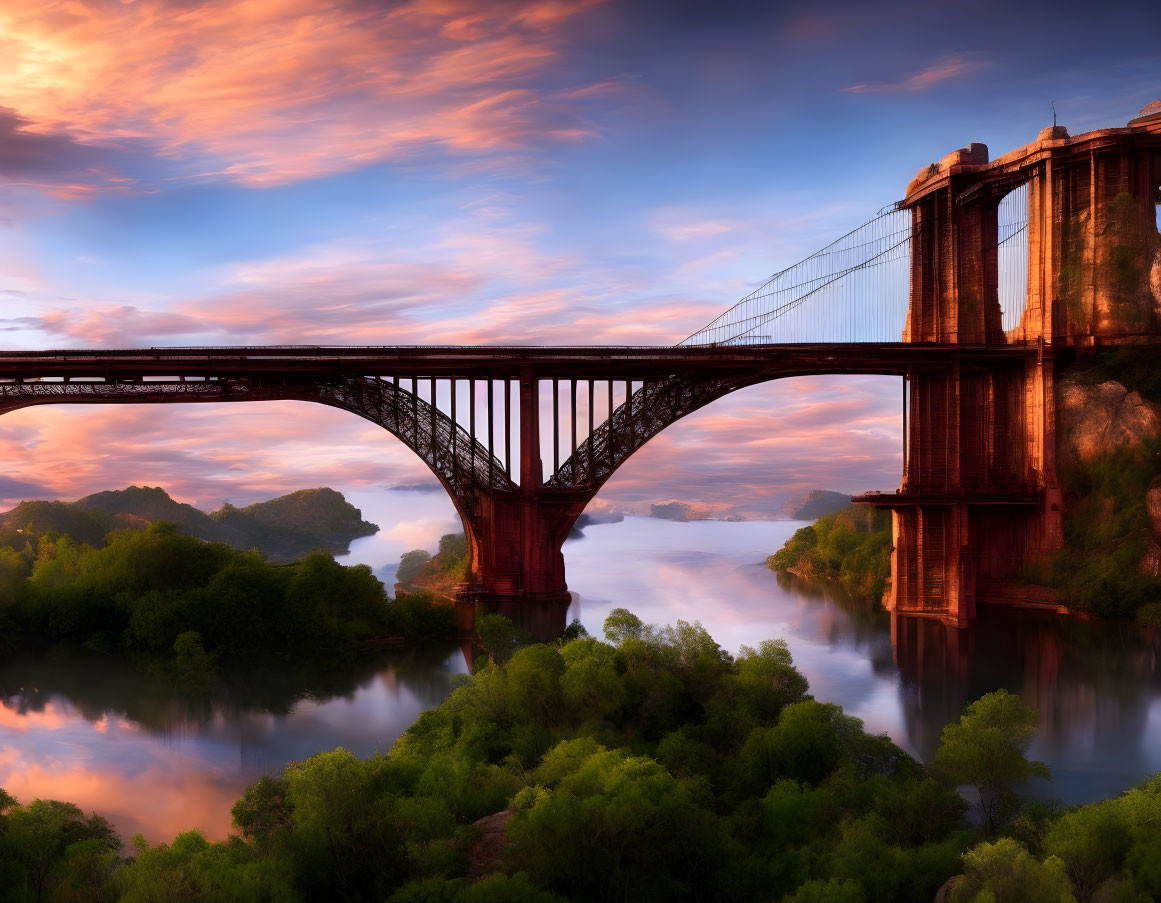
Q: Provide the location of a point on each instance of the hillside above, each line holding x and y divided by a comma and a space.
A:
297, 523
283, 529
815, 504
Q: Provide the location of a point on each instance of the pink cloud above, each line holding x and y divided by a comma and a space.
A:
944, 69
269, 91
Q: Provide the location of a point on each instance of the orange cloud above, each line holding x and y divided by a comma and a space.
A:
269, 91
949, 67
201, 454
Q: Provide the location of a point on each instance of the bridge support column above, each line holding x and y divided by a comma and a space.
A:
515, 538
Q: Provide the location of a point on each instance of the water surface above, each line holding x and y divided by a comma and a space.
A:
88, 729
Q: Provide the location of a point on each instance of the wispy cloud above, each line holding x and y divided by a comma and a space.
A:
944, 69
270, 91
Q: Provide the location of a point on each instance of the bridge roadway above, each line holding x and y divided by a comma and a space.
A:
499, 362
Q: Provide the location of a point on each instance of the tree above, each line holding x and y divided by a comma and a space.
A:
832, 891
985, 749
191, 663
621, 625
498, 637
1004, 872
410, 564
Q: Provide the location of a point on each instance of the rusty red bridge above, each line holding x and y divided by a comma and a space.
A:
974, 289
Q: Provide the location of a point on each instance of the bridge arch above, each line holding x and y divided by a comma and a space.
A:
462, 465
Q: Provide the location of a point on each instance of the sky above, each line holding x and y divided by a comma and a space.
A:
459, 171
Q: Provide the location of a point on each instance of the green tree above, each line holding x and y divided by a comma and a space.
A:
191, 663
498, 637
985, 749
1004, 872
621, 625
831, 891
38, 835
1093, 842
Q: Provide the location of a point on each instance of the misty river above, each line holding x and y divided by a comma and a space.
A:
90, 730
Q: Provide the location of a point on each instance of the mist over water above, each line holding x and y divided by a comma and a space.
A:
88, 729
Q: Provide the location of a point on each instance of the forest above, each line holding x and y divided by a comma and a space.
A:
651, 765
178, 605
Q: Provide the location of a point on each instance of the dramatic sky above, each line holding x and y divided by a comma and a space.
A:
463, 171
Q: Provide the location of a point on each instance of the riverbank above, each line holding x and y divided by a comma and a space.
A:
851, 547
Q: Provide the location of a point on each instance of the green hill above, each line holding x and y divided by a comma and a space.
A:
283, 529
299, 522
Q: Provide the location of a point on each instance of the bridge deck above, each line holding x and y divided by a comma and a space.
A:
575, 362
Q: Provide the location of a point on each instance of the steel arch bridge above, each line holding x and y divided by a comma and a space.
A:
965, 288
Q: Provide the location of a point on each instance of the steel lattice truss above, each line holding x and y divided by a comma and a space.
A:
462, 464
646, 413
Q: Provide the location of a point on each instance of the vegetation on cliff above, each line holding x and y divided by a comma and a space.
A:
283, 529
852, 548
442, 573
653, 766
164, 597
1107, 535
299, 522
1110, 563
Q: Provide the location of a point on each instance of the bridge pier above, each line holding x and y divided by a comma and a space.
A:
515, 537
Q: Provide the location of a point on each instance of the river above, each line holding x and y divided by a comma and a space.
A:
83, 728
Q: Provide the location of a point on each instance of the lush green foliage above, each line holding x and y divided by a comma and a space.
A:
985, 749
852, 547
1106, 532
442, 572
651, 767
166, 596
1106, 526
49, 850
1103, 851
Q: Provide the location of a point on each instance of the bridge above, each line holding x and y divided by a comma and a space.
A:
974, 289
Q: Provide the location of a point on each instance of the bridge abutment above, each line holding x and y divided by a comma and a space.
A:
980, 500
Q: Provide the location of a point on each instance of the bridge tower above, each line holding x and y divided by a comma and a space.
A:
980, 495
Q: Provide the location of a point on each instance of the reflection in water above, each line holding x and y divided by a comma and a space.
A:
89, 729
1097, 686
84, 728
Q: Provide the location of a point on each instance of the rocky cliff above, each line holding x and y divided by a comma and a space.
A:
1093, 420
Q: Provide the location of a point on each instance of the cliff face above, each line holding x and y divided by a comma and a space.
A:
1109, 441
1094, 420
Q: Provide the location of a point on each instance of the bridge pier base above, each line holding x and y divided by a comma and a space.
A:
516, 568
932, 572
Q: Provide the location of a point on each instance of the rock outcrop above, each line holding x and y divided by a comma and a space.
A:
486, 855
1095, 420
815, 504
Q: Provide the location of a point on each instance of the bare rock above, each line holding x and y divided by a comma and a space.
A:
1096, 420
486, 855
944, 893
1153, 507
